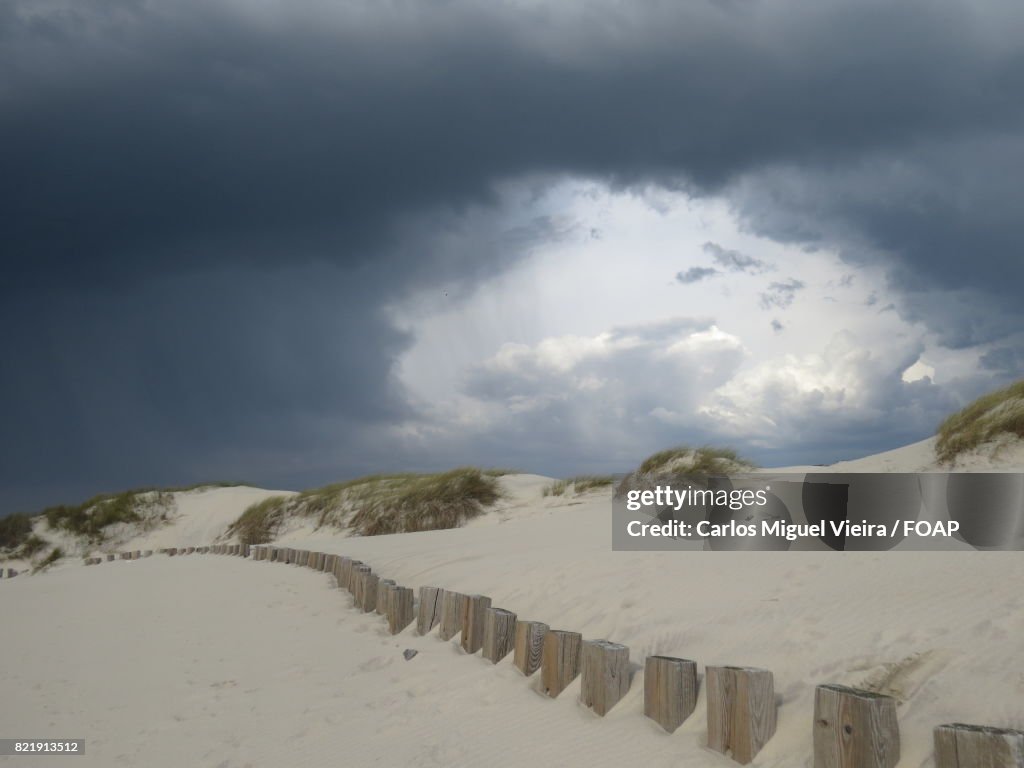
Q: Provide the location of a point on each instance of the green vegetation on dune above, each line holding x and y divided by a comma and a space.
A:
693, 464
55, 554
14, 530
90, 518
986, 419
684, 460
378, 504
579, 484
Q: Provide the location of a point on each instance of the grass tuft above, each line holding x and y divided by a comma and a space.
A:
579, 484
258, 524
55, 554
32, 546
14, 530
695, 464
987, 418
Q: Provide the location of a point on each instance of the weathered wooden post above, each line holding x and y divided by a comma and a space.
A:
604, 674
854, 728
11, 573
499, 634
529, 645
356, 584
329, 561
370, 589
560, 661
670, 690
741, 710
978, 746
190, 550
137, 554
400, 609
172, 551
473, 613
345, 570
111, 557
147, 553
384, 595
451, 615
353, 567
431, 599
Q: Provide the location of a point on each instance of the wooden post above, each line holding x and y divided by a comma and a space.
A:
400, 609
431, 599
965, 746
369, 589
347, 564
383, 595
670, 690
741, 710
529, 645
604, 673
111, 557
451, 615
854, 728
499, 634
329, 561
359, 586
356, 565
560, 661
473, 614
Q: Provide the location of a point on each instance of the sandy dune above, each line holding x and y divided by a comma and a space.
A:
217, 661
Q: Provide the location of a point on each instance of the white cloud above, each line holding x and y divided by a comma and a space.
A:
591, 347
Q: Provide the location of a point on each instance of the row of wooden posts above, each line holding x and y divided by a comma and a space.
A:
852, 728
11, 573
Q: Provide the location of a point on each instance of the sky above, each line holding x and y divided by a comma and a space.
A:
290, 243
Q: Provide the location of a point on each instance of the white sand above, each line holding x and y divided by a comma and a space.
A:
216, 661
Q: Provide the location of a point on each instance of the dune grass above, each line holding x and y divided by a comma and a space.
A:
987, 418
378, 504
14, 530
259, 522
55, 554
684, 460
93, 515
90, 518
33, 545
579, 484
695, 464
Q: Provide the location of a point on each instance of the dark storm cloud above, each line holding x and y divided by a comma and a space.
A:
141, 137
144, 143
